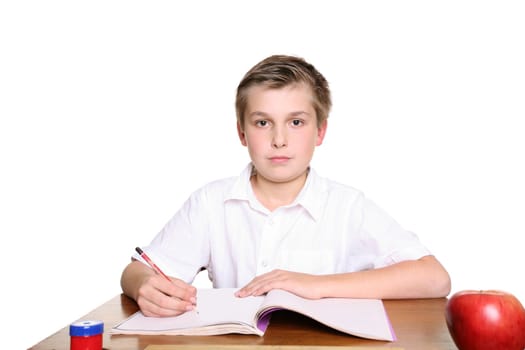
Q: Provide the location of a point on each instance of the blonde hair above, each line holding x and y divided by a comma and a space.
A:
279, 71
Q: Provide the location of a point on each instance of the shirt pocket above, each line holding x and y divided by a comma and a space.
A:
316, 262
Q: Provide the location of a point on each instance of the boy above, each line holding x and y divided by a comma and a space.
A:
279, 224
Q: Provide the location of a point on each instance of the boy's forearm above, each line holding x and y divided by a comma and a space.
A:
132, 278
423, 278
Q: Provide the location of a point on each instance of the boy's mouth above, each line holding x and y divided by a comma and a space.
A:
279, 159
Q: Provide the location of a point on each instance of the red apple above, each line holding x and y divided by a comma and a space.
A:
482, 320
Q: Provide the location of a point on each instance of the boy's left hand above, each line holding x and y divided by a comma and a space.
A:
301, 284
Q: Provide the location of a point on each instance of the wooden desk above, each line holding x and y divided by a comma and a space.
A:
419, 325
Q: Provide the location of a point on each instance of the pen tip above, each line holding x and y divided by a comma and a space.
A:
139, 250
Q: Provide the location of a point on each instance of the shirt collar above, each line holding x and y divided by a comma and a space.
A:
241, 188
309, 197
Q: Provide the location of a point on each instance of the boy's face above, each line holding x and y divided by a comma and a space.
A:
280, 131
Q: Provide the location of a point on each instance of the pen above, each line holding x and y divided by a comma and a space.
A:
155, 267
151, 263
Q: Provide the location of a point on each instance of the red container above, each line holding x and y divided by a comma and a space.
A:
86, 335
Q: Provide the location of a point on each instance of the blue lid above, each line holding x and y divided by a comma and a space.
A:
86, 328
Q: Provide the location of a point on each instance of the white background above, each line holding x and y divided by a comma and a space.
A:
112, 113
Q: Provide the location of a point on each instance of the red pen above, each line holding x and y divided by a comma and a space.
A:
151, 263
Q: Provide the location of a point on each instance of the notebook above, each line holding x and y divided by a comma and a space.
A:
219, 311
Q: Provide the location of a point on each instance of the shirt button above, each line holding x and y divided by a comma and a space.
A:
264, 263
270, 221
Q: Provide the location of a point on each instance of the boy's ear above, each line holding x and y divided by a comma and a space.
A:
321, 132
241, 134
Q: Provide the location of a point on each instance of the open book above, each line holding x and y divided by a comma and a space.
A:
219, 311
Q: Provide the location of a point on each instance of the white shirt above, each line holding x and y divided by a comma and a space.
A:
329, 228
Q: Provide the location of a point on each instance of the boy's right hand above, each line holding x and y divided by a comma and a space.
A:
155, 295
159, 297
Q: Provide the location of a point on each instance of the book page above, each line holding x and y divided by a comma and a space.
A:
222, 306
365, 318
218, 311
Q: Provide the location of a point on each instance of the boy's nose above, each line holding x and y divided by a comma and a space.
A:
279, 138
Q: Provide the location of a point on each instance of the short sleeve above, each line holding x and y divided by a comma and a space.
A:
382, 239
181, 248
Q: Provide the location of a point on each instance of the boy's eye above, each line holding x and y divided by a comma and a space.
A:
261, 123
297, 122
